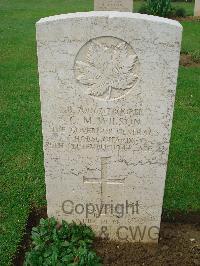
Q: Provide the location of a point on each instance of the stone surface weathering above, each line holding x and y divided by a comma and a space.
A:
108, 83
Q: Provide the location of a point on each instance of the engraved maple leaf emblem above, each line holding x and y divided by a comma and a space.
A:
106, 68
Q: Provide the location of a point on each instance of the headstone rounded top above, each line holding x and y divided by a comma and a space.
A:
111, 15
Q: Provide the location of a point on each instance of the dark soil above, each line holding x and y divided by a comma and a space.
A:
179, 243
189, 18
186, 60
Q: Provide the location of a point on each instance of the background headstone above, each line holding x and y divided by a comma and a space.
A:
107, 97
113, 5
197, 8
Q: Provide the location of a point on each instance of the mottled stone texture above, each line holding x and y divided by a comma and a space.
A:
197, 8
113, 5
108, 83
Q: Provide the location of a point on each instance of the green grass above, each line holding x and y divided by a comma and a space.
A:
191, 37
21, 156
183, 180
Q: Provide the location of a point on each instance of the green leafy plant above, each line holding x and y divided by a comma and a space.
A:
68, 244
159, 7
180, 12
144, 9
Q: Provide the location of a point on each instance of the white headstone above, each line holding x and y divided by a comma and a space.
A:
113, 5
197, 8
107, 97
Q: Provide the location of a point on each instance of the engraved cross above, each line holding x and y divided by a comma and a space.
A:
103, 181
